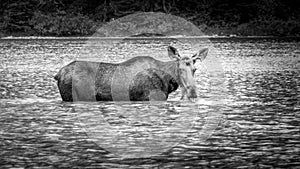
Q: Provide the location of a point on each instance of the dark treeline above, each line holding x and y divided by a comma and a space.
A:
82, 17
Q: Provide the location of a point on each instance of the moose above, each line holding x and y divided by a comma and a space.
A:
141, 78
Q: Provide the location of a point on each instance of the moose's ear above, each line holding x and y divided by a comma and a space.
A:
173, 53
201, 55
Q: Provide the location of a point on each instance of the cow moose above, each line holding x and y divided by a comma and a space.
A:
141, 78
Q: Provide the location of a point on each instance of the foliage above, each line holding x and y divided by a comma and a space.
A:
15, 15
270, 26
77, 17
61, 24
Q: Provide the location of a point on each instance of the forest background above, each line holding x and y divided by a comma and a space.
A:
213, 17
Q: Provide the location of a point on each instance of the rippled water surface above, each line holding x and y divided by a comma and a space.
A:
247, 114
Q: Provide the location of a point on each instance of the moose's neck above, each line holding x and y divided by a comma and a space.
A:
171, 68
171, 74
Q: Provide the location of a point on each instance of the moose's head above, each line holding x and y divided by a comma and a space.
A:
186, 70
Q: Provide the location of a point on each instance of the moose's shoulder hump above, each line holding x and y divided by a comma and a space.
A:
139, 59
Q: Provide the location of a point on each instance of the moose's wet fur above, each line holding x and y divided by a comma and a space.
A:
155, 80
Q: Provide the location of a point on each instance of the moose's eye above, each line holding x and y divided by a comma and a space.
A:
188, 63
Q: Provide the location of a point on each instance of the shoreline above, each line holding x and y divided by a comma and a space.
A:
141, 38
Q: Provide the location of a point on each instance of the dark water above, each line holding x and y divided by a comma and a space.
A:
247, 114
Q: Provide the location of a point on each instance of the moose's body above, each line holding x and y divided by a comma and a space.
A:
94, 81
141, 78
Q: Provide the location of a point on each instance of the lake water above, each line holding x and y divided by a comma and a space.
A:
247, 114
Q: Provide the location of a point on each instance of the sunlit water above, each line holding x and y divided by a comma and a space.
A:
247, 114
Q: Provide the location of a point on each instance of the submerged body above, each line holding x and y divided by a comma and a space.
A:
141, 78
